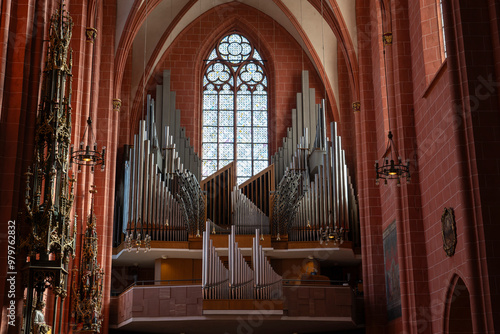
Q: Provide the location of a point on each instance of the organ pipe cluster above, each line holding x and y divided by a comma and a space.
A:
161, 200
239, 280
246, 215
191, 200
268, 284
329, 209
241, 276
214, 275
315, 198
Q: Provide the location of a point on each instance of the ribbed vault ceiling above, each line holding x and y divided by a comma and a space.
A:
305, 20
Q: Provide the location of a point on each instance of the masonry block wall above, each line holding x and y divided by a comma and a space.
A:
24, 31
441, 114
284, 61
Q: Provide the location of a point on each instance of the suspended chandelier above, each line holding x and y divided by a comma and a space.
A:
391, 167
87, 154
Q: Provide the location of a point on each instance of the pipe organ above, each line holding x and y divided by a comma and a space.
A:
239, 280
329, 209
191, 200
305, 195
173, 138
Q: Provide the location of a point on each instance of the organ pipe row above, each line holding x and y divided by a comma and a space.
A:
246, 215
167, 122
214, 275
268, 284
304, 118
315, 199
191, 200
148, 206
241, 276
151, 211
329, 209
239, 281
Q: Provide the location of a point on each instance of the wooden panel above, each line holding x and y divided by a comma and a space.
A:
258, 189
217, 188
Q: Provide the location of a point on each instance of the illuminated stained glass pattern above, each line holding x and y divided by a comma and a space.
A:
259, 166
260, 118
235, 109
209, 117
209, 167
226, 134
245, 151
226, 151
209, 134
244, 134
242, 179
244, 118
244, 168
260, 151
260, 135
226, 118
209, 151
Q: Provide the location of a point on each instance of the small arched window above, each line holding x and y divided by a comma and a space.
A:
235, 109
442, 37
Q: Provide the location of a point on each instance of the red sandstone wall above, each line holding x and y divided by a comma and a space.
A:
285, 61
23, 28
442, 122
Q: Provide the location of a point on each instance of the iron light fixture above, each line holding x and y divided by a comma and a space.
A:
87, 154
390, 168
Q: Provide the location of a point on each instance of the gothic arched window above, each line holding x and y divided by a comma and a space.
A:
235, 109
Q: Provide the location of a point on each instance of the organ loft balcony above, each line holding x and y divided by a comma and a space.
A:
163, 290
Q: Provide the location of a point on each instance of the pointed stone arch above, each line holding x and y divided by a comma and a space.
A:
457, 311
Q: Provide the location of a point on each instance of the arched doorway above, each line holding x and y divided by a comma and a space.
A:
459, 311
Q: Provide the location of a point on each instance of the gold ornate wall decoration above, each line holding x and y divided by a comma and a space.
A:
87, 289
449, 231
387, 38
47, 232
356, 106
91, 34
117, 104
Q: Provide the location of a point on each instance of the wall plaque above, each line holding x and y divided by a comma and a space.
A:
449, 231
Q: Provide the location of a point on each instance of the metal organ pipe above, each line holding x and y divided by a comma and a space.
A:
325, 205
215, 276
268, 284
246, 215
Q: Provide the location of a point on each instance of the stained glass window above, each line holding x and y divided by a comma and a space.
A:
235, 109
